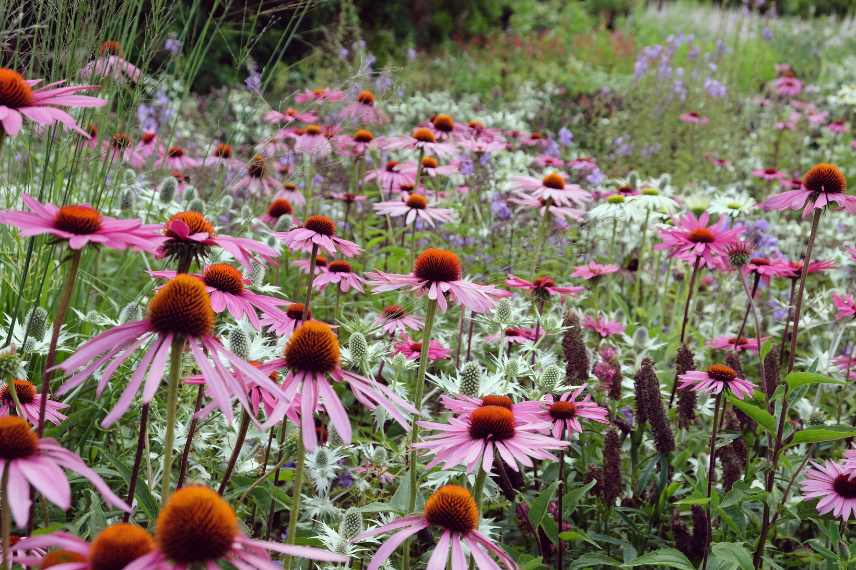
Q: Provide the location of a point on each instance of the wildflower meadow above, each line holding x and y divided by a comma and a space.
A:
501, 284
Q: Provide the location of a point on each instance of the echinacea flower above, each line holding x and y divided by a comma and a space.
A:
189, 235
846, 364
474, 438
692, 239
542, 287
28, 460
111, 63
79, 225
390, 177
787, 86
317, 232
278, 208
30, 401
735, 343
18, 99
311, 357
715, 379
431, 167
181, 309
394, 319
453, 510
176, 158
515, 335
693, 118
421, 139
834, 485
114, 547
463, 406
411, 349
566, 411
363, 110
222, 156
312, 142
121, 148
291, 193
845, 306
148, 143
414, 208
228, 291
355, 145
339, 272
319, 95
437, 273
603, 326
547, 208
594, 270
198, 528
768, 174
257, 180
283, 323
823, 184
288, 116
551, 187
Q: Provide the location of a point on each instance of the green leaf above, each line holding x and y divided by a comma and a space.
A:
762, 417
796, 379
733, 553
662, 558
551, 529
822, 433
573, 496
538, 506
766, 348
593, 559
693, 501
577, 535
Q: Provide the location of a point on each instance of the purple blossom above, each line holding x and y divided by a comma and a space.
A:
714, 88
596, 177
344, 53
411, 54
465, 167
172, 45
254, 81
566, 137
500, 210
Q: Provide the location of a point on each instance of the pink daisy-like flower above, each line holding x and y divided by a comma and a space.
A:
603, 326
548, 161
363, 110
278, 208
391, 177
815, 266
319, 95
121, 148
291, 193
542, 286
851, 253
735, 343
823, 184
846, 364
474, 438
437, 273
769, 174
28, 460
463, 406
80, 225
594, 270
715, 379
584, 163
421, 139
566, 412
115, 547
551, 188
414, 208
148, 144
311, 356
768, 268
431, 168
288, 116
317, 232
312, 142
227, 288
787, 86
339, 272
837, 127
355, 145
111, 63
411, 349
181, 309
197, 528
515, 335
176, 158
845, 306
394, 319
304, 265
284, 323
257, 180
693, 239
546, 207
453, 510
222, 156
30, 400
693, 118
834, 485
18, 99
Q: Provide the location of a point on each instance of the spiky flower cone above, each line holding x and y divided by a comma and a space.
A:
664, 439
611, 467
574, 349
771, 371
471, 379
686, 397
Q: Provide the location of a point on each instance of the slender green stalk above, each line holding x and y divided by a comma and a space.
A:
711, 470
294, 513
236, 451
815, 222
171, 413
308, 301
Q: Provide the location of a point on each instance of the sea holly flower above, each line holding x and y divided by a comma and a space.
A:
835, 485
453, 510
566, 411
692, 239
181, 309
715, 379
394, 319
415, 207
551, 187
115, 547
823, 184
80, 225
19, 99
317, 232
38, 462
30, 400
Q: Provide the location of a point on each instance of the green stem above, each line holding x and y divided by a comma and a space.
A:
306, 304
294, 512
171, 413
637, 295
236, 452
542, 238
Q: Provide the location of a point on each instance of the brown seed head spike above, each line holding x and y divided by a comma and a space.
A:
182, 307
195, 526
119, 545
312, 348
825, 177
17, 438
436, 265
15, 92
453, 508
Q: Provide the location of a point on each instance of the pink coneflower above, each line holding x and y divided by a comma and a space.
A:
437, 273
176, 158
348, 198
851, 252
394, 319
445, 127
767, 268
284, 323
391, 177
291, 193
18, 99
565, 412
845, 306
837, 127
816, 266
148, 144
482, 146
190, 235
311, 356
30, 401
111, 63
452, 509
542, 287
257, 180
28, 460
317, 232
288, 116
121, 148
197, 528
357, 144
411, 349
278, 208
312, 142
834, 485
515, 335
787, 86
304, 265
474, 439
846, 364
551, 187
463, 406
258, 397
594, 270
693, 240
227, 288
414, 208
584, 163
319, 95
363, 110
181, 309
715, 379
431, 168
80, 225
548, 161
339, 272
693, 118
421, 139
735, 343
222, 156
546, 207
769, 174
115, 547
603, 326
824, 184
